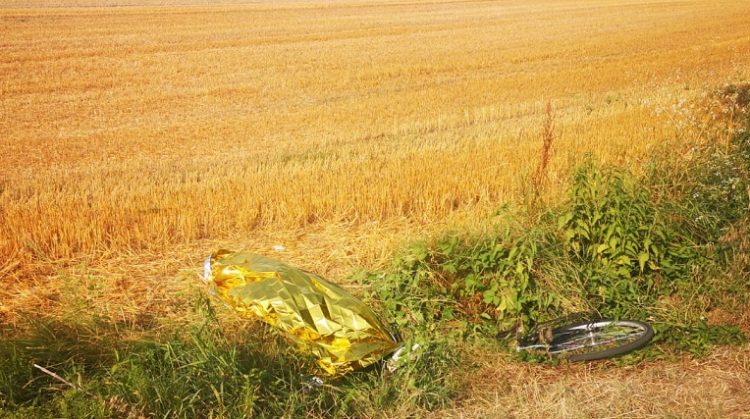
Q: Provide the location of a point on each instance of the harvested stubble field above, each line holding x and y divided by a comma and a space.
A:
136, 136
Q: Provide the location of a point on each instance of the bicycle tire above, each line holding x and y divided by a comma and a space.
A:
562, 339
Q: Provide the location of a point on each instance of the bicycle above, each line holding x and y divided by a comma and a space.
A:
586, 340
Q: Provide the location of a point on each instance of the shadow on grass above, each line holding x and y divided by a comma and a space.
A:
194, 370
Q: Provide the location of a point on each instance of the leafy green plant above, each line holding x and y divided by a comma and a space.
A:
627, 249
476, 281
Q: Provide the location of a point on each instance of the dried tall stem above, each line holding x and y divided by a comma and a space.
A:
540, 177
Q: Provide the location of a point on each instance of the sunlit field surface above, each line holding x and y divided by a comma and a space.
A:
137, 136
137, 127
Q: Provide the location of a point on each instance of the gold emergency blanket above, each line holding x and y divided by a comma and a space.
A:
322, 318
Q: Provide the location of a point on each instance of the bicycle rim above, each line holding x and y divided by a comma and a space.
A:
599, 339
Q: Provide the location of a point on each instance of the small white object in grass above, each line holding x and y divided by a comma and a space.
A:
206, 278
279, 248
395, 360
312, 383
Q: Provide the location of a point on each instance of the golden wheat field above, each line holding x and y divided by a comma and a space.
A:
138, 127
136, 136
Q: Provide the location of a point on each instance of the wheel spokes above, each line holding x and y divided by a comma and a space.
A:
595, 337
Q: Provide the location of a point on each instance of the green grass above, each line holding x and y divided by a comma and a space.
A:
198, 370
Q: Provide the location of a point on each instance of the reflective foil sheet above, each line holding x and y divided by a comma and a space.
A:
322, 318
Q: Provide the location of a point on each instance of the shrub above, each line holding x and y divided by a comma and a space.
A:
624, 245
468, 279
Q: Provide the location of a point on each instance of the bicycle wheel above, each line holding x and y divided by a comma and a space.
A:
591, 340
